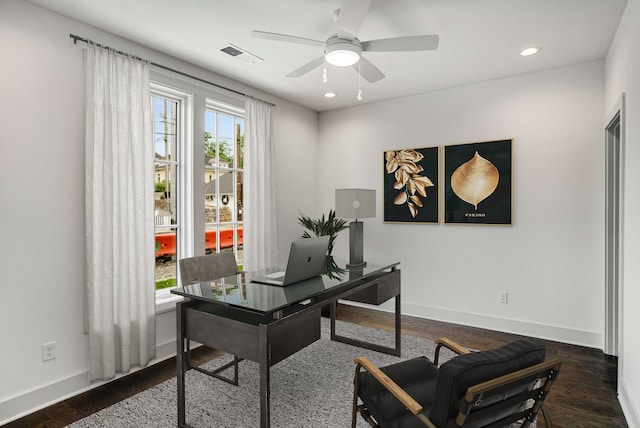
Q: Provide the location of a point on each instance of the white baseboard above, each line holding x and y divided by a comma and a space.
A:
46, 395
631, 413
539, 330
38, 398
542, 331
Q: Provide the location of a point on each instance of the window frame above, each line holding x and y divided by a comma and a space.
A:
190, 210
236, 113
183, 164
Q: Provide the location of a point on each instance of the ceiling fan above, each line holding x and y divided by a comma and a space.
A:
344, 49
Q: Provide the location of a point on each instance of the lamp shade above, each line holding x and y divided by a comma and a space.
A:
355, 203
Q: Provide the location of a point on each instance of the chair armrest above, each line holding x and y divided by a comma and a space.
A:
408, 401
449, 344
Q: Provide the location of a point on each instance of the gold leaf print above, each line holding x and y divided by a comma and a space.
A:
421, 183
411, 155
425, 181
410, 167
404, 165
392, 164
402, 176
475, 180
412, 209
400, 199
411, 187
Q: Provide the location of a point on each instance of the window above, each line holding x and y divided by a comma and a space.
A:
166, 141
198, 145
223, 163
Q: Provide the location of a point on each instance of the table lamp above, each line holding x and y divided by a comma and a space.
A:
355, 204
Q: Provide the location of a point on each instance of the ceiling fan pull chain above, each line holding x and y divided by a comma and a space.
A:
359, 97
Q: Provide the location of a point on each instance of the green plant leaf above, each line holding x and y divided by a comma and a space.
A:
329, 225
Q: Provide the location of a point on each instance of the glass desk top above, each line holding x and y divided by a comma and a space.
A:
239, 291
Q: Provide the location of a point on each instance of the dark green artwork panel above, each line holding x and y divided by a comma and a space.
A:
479, 183
411, 185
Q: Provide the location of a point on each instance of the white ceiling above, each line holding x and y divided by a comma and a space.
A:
479, 39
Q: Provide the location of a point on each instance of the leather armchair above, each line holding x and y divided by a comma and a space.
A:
493, 388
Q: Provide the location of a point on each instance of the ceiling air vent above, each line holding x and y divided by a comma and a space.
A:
241, 55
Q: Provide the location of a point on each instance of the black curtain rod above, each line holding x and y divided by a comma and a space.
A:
77, 39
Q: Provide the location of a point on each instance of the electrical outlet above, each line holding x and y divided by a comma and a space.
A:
48, 351
503, 297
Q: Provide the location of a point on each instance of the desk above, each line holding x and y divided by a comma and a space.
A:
266, 323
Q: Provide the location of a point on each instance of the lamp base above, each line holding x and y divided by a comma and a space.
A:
356, 266
356, 259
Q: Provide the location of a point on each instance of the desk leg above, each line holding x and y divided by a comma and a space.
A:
265, 378
398, 349
333, 308
180, 364
368, 345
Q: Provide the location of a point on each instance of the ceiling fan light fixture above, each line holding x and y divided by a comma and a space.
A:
342, 54
342, 58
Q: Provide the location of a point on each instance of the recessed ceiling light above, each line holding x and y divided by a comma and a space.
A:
330, 95
530, 51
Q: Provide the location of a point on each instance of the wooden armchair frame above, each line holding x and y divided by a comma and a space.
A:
545, 373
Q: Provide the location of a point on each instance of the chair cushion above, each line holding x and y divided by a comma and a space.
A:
457, 374
416, 376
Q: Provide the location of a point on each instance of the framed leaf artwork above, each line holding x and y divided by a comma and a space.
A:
411, 185
478, 183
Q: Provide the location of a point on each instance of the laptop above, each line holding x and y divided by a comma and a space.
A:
306, 260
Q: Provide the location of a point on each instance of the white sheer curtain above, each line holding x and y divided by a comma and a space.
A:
119, 212
260, 249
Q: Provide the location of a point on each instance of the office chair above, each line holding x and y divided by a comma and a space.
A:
493, 388
206, 268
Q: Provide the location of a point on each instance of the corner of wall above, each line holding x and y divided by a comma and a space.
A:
630, 412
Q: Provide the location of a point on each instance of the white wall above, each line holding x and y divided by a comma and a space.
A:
297, 171
623, 76
42, 199
551, 259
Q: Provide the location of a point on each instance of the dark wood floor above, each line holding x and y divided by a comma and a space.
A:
583, 396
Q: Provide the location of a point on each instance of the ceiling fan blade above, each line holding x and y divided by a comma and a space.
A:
307, 67
402, 44
370, 72
352, 14
286, 38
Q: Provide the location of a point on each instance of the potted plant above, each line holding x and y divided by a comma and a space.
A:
329, 225
322, 226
